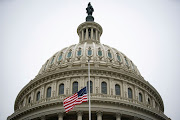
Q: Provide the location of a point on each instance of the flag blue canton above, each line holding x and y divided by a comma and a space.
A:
82, 92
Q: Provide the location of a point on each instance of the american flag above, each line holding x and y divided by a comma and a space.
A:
75, 99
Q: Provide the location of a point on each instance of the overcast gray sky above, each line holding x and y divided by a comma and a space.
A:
147, 31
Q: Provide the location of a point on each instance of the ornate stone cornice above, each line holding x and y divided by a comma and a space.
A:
79, 72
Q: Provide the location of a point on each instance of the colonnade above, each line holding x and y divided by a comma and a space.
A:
99, 115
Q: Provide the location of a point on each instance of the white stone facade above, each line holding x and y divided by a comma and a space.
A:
107, 65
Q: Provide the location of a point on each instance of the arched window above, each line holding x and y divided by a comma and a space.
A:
118, 57
132, 65
61, 89
48, 95
91, 87
109, 54
52, 60
75, 87
79, 52
140, 97
29, 100
126, 61
99, 52
89, 52
117, 89
69, 54
38, 96
149, 101
104, 87
46, 65
60, 57
130, 95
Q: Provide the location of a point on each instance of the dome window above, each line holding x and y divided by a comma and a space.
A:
52, 60
117, 89
109, 54
118, 57
48, 95
99, 52
38, 96
69, 54
75, 87
140, 97
91, 86
126, 61
46, 65
61, 89
79, 52
89, 52
149, 102
104, 87
130, 93
60, 57
29, 100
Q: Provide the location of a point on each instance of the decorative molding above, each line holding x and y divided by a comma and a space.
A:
57, 76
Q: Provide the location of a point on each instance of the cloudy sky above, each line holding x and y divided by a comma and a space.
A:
147, 31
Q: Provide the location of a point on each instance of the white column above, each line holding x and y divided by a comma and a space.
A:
79, 115
54, 89
153, 103
99, 115
42, 92
91, 33
67, 86
125, 95
111, 87
86, 34
118, 116
96, 85
97, 35
136, 93
82, 35
32, 97
60, 116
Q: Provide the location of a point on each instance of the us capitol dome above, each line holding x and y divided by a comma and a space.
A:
118, 91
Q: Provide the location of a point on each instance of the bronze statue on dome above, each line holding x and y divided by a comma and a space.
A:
89, 11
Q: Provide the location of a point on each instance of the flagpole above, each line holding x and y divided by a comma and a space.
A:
89, 91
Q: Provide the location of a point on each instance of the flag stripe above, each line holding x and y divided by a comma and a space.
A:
75, 99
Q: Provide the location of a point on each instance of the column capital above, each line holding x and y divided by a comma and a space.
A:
79, 115
43, 117
79, 112
118, 114
99, 112
135, 118
60, 114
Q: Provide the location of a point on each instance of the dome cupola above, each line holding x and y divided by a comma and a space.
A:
89, 31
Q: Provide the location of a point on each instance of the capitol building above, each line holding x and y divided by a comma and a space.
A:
118, 90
